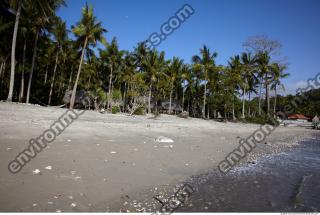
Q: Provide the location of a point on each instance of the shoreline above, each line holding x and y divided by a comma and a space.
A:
165, 192
102, 159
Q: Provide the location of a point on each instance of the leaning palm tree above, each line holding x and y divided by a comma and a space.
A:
88, 31
278, 74
205, 63
61, 35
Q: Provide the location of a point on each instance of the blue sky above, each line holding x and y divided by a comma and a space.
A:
222, 25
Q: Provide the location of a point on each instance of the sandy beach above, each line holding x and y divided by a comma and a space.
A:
104, 162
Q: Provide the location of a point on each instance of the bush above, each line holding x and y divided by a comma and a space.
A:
139, 111
115, 109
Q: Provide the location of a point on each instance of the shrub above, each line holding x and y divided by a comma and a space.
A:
115, 109
139, 111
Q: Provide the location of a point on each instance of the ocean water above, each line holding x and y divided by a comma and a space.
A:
286, 182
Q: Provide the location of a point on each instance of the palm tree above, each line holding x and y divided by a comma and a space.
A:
265, 70
154, 67
205, 63
233, 73
112, 57
88, 31
247, 73
278, 74
41, 12
15, 4
60, 35
174, 71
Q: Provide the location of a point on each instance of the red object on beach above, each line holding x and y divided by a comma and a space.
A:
298, 116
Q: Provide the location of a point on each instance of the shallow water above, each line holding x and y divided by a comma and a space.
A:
284, 182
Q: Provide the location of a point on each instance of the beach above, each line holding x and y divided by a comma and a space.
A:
113, 162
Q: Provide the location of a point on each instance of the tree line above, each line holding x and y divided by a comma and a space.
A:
43, 62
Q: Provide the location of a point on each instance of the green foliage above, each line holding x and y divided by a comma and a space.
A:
115, 109
139, 111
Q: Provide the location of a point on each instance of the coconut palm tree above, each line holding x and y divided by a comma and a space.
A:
154, 68
278, 74
88, 31
247, 74
174, 70
112, 58
206, 63
42, 12
16, 4
265, 72
60, 34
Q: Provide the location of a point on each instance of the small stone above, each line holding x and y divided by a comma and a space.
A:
48, 167
58, 211
162, 139
36, 172
70, 197
113, 152
34, 204
50, 203
73, 205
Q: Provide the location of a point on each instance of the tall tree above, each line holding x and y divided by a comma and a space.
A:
174, 70
247, 74
16, 4
206, 63
60, 36
265, 71
88, 31
112, 58
42, 13
278, 74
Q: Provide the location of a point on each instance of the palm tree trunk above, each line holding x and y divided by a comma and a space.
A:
170, 98
275, 100
204, 101
249, 111
1, 68
182, 100
22, 73
149, 99
53, 77
13, 51
110, 86
124, 96
46, 75
260, 93
233, 111
70, 79
32, 66
243, 102
73, 96
267, 94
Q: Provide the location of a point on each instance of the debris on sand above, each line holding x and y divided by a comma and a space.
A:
58, 211
36, 172
162, 139
73, 205
9, 148
113, 152
48, 167
34, 204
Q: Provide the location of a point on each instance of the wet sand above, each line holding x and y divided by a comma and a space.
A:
105, 162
